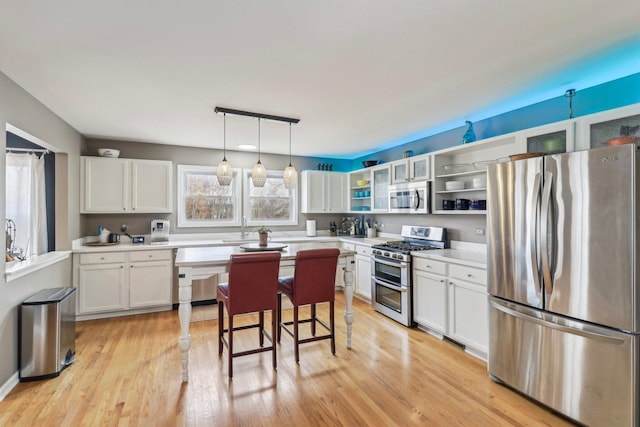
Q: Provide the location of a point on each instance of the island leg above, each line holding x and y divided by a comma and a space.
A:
184, 314
348, 296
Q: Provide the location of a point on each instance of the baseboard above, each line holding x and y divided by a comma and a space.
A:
6, 388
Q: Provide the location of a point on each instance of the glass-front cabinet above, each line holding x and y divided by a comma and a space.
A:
420, 167
549, 139
380, 180
400, 171
613, 127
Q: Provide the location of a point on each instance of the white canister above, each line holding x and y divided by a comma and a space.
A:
311, 228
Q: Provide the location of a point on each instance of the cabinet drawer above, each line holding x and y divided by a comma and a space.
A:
429, 265
349, 246
363, 250
469, 274
103, 258
151, 255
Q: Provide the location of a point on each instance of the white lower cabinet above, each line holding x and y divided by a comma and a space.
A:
363, 272
450, 299
110, 282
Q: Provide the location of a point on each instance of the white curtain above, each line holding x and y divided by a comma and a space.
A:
25, 202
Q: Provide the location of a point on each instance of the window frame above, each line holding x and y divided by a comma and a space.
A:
183, 171
293, 202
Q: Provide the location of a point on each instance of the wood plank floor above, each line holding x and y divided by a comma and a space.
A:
127, 374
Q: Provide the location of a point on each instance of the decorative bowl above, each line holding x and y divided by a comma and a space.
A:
369, 163
108, 152
361, 182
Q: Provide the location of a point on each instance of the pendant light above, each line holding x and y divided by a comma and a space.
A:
224, 171
290, 175
258, 173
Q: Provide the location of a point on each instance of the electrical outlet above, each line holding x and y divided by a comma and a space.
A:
381, 225
480, 231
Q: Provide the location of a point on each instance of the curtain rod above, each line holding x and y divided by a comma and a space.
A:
28, 150
258, 115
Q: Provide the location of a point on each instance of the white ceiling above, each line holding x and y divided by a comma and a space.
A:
360, 75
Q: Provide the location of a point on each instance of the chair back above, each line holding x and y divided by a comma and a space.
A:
253, 282
315, 276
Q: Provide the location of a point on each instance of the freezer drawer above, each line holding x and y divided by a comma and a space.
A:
587, 372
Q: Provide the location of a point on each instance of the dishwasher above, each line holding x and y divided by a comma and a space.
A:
203, 291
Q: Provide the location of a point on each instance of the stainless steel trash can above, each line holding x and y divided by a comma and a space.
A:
47, 333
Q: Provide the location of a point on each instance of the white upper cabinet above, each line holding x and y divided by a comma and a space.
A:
125, 185
400, 171
420, 167
380, 180
620, 125
324, 192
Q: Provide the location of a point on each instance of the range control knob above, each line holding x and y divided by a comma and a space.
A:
386, 254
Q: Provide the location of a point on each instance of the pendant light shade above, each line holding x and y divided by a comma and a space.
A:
290, 175
258, 173
224, 171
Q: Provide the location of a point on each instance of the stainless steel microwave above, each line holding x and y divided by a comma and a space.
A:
410, 197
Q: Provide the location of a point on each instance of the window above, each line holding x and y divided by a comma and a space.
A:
202, 202
272, 204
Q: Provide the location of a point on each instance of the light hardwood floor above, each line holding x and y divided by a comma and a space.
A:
127, 373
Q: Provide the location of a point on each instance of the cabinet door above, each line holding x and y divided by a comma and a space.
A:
149, 284
420, 168
381, 178
468, 315
104, 185
151, 186
336, 191
430, 301
400, 171
313, 192
101, 287
363, 276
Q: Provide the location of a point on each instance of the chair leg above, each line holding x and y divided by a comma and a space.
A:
295, 333
230, 346
220, 326
274, 319
313, 320
261, 328
279, 316
332, 327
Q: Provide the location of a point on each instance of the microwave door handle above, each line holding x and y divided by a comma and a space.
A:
533, 249
417, 200
544, 228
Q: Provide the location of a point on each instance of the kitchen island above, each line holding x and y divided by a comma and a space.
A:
202, 262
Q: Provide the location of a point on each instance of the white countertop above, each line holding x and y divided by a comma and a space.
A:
471, 254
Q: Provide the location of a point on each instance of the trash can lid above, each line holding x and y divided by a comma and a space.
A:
48, 296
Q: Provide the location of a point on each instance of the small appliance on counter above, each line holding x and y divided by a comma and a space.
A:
159, 232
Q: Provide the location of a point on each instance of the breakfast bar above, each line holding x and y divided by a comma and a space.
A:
202, 262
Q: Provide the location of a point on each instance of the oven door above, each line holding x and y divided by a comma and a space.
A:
390, 290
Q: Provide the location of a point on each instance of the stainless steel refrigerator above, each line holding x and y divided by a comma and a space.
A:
562, 262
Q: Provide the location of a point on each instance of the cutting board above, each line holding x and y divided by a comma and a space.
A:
255, 247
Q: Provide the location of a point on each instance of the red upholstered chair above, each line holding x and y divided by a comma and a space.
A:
252, 287
313, 282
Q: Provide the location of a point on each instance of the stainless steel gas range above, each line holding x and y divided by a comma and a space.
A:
391, 275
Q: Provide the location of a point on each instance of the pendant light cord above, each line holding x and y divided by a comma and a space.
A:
258, 140
224, 137
289, 144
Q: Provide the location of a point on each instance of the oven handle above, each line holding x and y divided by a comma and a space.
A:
391, 264
390, 286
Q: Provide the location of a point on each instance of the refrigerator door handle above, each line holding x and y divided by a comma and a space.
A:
544, 228
558, 326
533, 251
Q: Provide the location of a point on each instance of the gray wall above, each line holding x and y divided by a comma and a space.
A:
140, 223
23, 111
